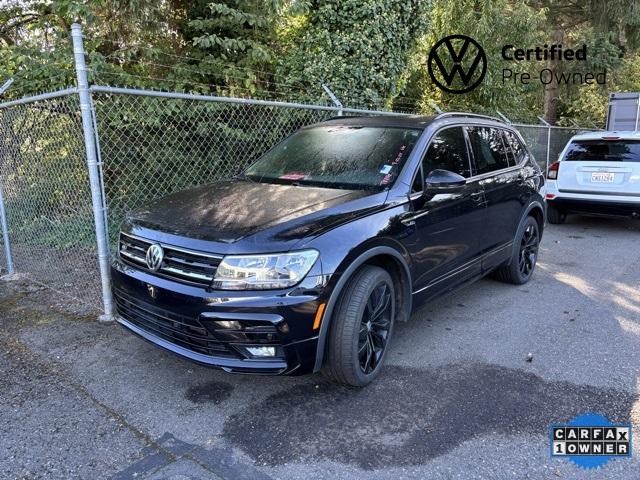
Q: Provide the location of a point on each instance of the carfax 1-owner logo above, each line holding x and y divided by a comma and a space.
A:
459, 63
590, 440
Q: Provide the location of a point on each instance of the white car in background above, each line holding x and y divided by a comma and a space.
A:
597, 173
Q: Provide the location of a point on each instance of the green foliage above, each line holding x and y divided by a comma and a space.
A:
232, 45
360, 48
44, 174
231, 31
370, 52
611, 29
587, 104
589, 107
606, 27
35, 45
493, 24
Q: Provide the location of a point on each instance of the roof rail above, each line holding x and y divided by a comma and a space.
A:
465, 114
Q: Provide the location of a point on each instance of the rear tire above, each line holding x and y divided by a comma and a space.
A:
361, 328
523, 259
554, 215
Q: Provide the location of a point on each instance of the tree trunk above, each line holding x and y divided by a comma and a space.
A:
552, 89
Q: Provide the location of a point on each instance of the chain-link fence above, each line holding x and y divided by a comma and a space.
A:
155, 145
46, 195
546, 142
65, 155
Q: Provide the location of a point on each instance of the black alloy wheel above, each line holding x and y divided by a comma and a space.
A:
361, 327
528, 250
374, 328
519, 268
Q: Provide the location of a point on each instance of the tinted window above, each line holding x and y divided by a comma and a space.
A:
488, 149
516, 146
447, 151
337, 157
604, 150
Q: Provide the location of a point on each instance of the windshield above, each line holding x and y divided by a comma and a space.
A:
337, 157
604, 150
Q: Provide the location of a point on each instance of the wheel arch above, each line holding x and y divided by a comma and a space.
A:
536, 210
383, 256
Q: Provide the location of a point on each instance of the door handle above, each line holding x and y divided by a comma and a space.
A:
477, 196
408, 222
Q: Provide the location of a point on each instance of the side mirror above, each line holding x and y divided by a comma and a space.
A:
443, 181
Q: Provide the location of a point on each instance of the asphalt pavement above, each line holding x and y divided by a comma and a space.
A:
470, 388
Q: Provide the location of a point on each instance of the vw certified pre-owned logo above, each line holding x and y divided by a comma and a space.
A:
469, 64
155, 255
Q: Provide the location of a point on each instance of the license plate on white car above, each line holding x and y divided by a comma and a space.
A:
602, 177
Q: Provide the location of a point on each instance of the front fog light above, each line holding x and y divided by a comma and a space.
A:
262, 351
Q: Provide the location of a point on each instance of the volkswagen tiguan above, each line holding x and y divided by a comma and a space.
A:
309, 258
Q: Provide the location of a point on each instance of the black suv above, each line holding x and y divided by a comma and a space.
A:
306, 260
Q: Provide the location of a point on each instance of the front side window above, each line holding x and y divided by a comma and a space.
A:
447, 151
489, 150
418, 182
338, 156
604, 150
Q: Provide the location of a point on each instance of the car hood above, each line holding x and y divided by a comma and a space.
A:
231, 210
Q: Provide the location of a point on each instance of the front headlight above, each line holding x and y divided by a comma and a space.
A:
263, 272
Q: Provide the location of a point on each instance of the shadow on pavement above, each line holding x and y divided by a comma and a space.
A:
409, 416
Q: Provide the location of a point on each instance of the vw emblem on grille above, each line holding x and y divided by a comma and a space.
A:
154, 257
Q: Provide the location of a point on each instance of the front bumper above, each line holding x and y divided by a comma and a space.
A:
214, 328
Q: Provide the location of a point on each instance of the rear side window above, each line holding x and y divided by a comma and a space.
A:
604, 150
489, 149
516, 146
447, 151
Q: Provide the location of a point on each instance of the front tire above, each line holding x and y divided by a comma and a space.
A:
524, 257
361, 328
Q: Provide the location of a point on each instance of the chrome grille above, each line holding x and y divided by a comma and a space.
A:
186, 266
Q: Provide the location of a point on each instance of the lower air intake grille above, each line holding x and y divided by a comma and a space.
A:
178, 329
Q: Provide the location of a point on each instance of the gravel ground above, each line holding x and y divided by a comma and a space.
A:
458, 398
71, 276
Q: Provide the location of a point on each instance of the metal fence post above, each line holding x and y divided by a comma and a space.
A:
333, 98
436, 107
5, 234
97, 195
544, 122
503, 117
548, 147
5, 86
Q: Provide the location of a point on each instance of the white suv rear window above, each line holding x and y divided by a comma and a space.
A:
604, 150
